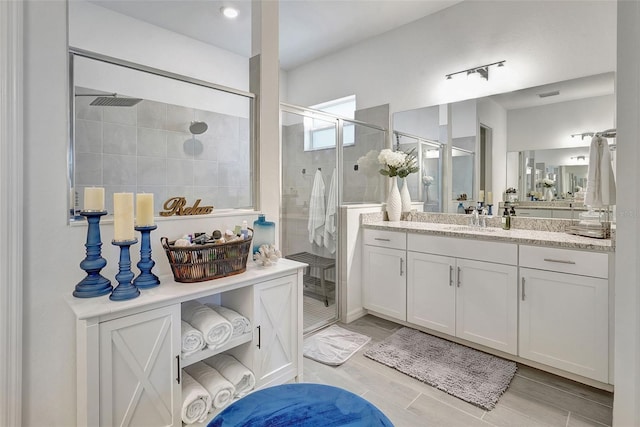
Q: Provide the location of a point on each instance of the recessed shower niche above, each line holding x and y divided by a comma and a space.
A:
142, 130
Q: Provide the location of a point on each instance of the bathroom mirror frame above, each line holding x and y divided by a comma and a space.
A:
243, 96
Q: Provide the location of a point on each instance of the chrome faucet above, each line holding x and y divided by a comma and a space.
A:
475, 218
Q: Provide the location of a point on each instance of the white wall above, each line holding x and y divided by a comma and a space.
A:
494, 116
541, 42
551, 125
53, 249
626, 411
101, 30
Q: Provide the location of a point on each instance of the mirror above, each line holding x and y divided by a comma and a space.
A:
144, 131
534, 141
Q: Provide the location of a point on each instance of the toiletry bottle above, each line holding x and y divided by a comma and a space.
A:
506, 219
244, 230
512, 212
461, 208
264, 233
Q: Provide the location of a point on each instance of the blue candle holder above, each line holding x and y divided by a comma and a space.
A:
94, 285
125, 289
146, 279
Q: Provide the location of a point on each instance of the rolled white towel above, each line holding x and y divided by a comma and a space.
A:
192, 339
215, 328
196, 401
239, 375
219, 388
241, 324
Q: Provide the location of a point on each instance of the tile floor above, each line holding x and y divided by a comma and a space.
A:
534, 398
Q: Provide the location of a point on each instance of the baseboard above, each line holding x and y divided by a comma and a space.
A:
355, 315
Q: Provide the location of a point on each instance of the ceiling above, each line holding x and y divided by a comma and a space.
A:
568, 90
309, 29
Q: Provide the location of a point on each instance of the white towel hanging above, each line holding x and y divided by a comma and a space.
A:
316, 210
330, 221
601, 185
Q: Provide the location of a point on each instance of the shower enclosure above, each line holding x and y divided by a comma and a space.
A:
328, 162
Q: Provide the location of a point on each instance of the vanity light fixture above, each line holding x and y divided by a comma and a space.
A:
482, 71
229, 12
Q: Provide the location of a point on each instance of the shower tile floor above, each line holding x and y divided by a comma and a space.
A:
315, 314
534, 398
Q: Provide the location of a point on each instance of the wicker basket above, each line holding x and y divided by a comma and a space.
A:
208, 261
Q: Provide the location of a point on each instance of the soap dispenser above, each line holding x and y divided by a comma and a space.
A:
461, 209
506, 219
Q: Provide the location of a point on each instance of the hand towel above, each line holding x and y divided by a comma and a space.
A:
316, 210
239, 375
196, 402
601, 185
192, 339
330, 220
241, 324
218, 387
215, 328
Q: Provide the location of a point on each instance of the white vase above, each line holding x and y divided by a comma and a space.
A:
548, 194
394, 203
405, 197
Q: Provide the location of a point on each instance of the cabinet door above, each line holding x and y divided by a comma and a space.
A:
431, 292
487, 304
277, 336
564, 321
384, 287
139, 377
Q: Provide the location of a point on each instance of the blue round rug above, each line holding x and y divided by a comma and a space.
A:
302, 404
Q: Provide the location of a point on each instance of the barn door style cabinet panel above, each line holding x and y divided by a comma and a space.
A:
129, 352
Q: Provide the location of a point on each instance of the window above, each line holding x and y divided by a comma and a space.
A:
321, 133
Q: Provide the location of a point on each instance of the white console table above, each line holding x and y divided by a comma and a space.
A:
128, 352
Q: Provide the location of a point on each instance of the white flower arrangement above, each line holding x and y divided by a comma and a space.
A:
427, 180
368, 163
547, 183
397, 163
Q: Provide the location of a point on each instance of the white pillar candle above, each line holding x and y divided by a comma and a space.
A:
123, 217
481, 197
94, 199
489, 198
144, 209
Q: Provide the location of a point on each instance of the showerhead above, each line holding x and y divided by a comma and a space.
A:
114, 101
196, 128
110, 100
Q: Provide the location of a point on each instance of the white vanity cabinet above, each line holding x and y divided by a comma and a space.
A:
464, 288
384, 288
139, 369
129, 352
564, 310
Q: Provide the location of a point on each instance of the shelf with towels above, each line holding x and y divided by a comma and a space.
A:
208, 352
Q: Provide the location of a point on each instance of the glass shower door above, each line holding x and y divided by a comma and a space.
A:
309, 209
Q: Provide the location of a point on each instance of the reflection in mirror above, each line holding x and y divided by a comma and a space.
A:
462, 166
425, 185
142, 132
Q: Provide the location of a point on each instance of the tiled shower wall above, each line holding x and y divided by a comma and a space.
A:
148, 148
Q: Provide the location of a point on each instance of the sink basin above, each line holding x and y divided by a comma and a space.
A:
470, 229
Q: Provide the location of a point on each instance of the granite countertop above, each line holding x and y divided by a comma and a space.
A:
520, 236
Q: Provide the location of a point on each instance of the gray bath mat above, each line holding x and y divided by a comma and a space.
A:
471, 375
333, 345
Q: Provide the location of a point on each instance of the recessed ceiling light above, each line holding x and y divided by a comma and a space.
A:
229, 12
